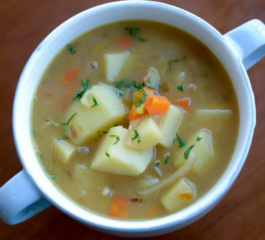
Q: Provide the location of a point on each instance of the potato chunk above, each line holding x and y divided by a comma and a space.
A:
89, 120
203, 150
118, 158
169, 125
180, 194
148, 131
64, 150
114, 63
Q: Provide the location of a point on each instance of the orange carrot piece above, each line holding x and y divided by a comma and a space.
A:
134, 115
69, 77
124, 43
157, 104
119, 208
139, 94
153, 211
185, 196
184, 103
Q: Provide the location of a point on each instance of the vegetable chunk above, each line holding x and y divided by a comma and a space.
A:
149, 133
181, 193
203, 149
169, 125
152, 76
118, 158
114, 63
157, 104
119, 208
64, 150
99, 109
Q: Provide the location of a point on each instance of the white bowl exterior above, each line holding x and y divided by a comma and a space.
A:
101, 15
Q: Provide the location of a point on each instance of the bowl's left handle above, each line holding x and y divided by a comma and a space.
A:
20, 199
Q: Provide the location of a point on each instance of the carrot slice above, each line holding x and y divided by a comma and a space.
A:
134, 115
124, 43
119, 208
69, 77
185, 196
157, 104
153, 211
139, 94
184, 103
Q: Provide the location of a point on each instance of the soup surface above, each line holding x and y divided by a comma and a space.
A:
135, 120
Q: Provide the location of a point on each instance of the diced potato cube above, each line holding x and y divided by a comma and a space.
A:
89, 120
148, 131
203, 150
169, 125
180, 194
118, 158
114, 63
64, 150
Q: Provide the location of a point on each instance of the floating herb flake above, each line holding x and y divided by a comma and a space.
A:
142, 39
105, 132
149, 84
107, 154
180, 88
66, 123
132, 31
181, 141
95, 102
53, 176
137, 136
187, 152
174, 61
157, 165
198, 139
80, 94
167, 159
62, 138
117, 138
71, 49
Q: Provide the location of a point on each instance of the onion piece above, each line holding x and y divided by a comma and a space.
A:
181, 172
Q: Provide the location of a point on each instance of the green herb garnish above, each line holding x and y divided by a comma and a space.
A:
95, 102
120, 93
53, 176
105, 132
174, 61
136, 136
141, 101
66, 123
132, 31
187, 152
181, 142
198, 139
157, 165
71, 49
116, 125
142, 39
149, 84
159, 84
107, 154
62, 138
47, 120
80, 94
119, 84
174, 140
148, 115
180, 88
117, 138
167, 159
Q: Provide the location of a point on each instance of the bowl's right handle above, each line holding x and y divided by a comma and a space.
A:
249, 42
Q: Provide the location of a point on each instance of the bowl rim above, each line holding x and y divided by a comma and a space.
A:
93, 219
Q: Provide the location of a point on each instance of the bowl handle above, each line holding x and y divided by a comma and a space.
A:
20, 199
248, 41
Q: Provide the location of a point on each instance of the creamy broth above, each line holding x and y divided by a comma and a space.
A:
192, 67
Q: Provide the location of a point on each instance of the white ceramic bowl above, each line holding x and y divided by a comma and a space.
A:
30, 191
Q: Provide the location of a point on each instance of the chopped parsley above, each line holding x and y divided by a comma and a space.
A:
47, 120
148, 115
142, 39
105, 132
174, 140
181, 141
71, 49
157, 165
116, 125
66, 123
107, 154
119, 84
141, 101
167, 159
180, 88
80, 94
117, 138
120, 93
149, 84
62, 138
132, 31
174, 61
137, 136
198, 139
53, 176
187, 152
159, 84
95, 102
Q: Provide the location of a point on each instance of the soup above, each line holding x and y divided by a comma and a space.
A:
135, 120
